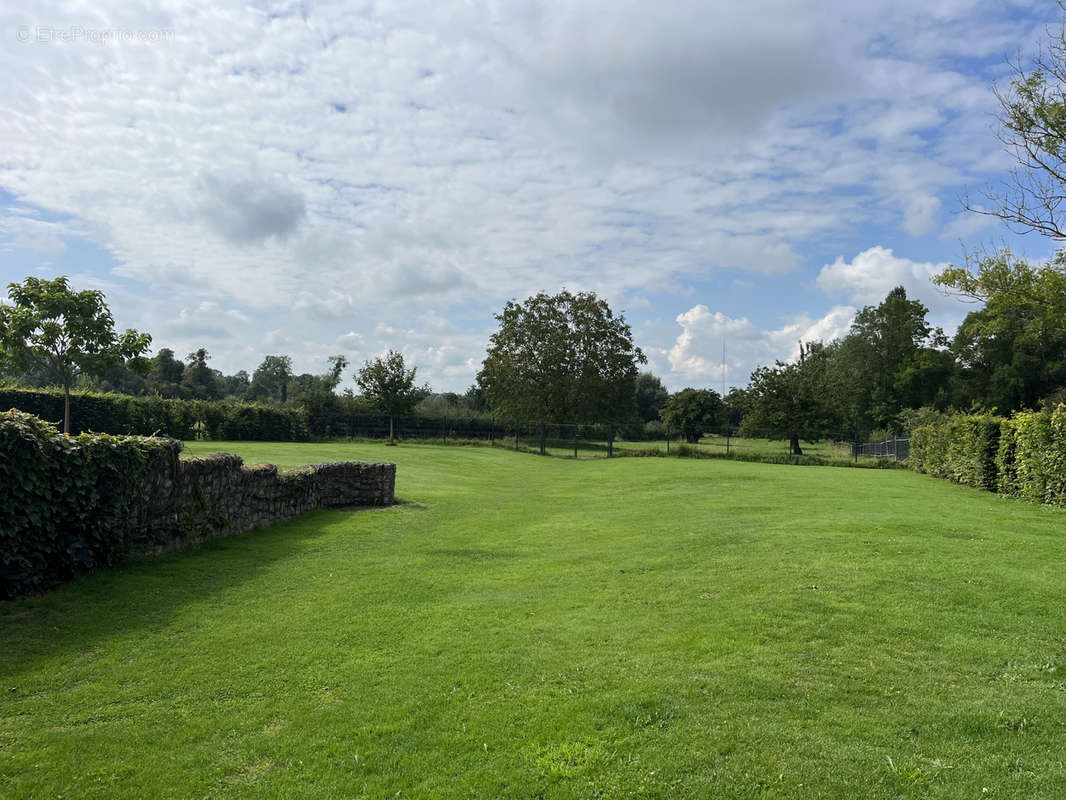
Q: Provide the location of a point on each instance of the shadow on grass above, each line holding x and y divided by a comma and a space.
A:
145, 594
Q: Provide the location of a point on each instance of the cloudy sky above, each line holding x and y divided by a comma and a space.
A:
317, 178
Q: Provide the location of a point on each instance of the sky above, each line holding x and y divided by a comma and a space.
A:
344, 178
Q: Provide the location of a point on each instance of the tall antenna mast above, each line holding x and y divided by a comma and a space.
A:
723, 366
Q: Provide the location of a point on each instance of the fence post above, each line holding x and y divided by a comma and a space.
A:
543, 437
668, 441
575, 441
610, 440
516, 435
727, 435
492, 433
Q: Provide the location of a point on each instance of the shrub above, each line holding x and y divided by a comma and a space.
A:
153, 415
1006, 459
1032, 446
42, 541
972, 444
962, 448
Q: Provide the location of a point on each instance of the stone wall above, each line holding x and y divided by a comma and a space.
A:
185, 501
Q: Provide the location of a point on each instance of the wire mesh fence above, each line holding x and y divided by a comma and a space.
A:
896, 449
599, 440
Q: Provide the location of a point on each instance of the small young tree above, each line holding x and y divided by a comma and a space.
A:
390, 386
68, 332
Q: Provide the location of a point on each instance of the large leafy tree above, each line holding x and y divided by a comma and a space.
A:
651, 396
794, 400
561, 358
69, 333
891, 359
390, 385
693, 412
198, 380
1012, 350
165, 375
270, 381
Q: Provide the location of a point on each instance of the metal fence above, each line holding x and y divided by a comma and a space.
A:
897, 449
590, 440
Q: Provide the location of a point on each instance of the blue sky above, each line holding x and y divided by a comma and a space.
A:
320, 178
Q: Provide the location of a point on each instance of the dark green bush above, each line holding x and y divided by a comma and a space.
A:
235, 422
44, 541
153, 415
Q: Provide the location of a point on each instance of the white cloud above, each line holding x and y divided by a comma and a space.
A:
697, 352
921, 214
874, 272
326, 168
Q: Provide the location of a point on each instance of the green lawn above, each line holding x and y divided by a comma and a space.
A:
527, 627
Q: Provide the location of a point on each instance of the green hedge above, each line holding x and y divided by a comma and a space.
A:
146, 416
962, 448
44, 541
1024, 456
1006, 459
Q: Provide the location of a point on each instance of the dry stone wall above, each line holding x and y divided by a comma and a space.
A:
71, 504
185, 501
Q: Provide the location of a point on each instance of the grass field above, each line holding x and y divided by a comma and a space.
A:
526, 627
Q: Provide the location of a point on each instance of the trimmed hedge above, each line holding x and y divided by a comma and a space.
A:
146, 416
43, 541
1024, 456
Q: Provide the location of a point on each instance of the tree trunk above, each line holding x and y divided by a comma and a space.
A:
794, 445
391, 438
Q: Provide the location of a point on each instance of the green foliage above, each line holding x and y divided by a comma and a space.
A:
888, 361
246, 422
793, 400
68, 332
962, 448
153, 415
1024, 456
1033, 445
270, 381
389, 385
198, 380
1055, 491
973, 442
1007, 459
693, 412
108, 413
651, 396
65, 501
561, 358
1011, 352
